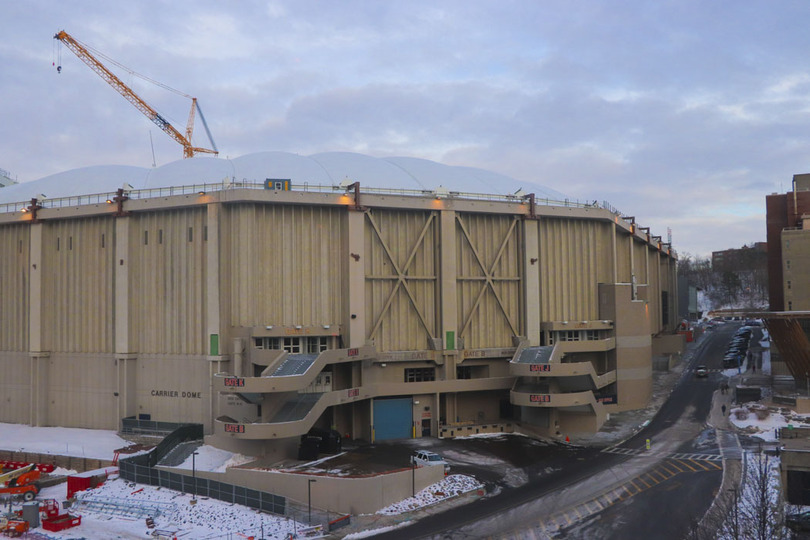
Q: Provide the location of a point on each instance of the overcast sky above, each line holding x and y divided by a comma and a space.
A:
685, 114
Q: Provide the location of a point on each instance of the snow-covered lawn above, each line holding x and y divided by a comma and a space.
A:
208, 518
91, 443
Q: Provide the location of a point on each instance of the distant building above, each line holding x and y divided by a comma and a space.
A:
788, 228
746, 256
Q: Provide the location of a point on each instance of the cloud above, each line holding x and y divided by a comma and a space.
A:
685, 114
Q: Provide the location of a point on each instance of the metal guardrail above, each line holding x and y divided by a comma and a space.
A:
134, 425
141, 469
202, 487
103, 198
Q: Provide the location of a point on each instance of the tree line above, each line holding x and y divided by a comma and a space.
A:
731, 278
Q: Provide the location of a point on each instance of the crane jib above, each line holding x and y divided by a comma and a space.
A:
88, 58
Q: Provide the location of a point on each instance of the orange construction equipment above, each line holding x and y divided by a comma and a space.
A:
13, 527
82, 51
21, 481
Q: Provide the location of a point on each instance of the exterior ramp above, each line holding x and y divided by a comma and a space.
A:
296, 408
294, 364
534, 355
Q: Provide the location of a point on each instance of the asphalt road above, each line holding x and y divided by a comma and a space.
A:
667, 508
670, 508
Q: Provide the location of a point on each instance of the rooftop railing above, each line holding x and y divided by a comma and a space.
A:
98, 198
151, 193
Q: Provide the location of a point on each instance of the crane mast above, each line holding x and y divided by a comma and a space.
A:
185, 140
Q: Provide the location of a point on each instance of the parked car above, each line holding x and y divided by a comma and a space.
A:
428, 458
701, 371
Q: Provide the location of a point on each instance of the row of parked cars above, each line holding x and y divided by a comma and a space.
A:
737, 348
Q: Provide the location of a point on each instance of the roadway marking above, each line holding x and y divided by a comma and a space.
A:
553, 524
678, 456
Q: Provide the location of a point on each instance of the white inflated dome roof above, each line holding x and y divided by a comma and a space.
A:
327, 169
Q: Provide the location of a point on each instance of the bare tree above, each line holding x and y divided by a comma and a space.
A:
761, 506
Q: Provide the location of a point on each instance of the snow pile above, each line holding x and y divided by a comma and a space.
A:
452, 486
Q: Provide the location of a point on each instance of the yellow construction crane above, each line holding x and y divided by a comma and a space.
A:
88, 58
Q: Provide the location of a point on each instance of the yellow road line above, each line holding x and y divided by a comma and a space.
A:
664, 466
685, 464
640, 479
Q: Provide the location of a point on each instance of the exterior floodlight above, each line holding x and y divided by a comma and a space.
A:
441, 192
346, 183
127, 186
520, 193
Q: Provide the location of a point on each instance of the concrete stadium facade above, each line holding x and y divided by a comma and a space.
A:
262, 310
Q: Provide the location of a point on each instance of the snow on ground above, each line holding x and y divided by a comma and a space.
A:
452, 486
91, 443
208, 518
759, 421
210, 458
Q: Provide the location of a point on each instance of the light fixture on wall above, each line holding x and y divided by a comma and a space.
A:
383, 365
270, 327
298, 327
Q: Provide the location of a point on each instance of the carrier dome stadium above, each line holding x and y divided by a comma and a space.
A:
269, 295
325, 169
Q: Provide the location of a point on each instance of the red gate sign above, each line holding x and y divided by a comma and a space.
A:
353, 392
234, 428
234, 381
354, 352
540, 398
539, 367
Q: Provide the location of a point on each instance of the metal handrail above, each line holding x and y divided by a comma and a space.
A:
99, 198
150, 193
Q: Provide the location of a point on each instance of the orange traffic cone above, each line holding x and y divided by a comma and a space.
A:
567, 439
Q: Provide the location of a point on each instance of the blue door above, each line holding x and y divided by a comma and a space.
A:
392, 418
